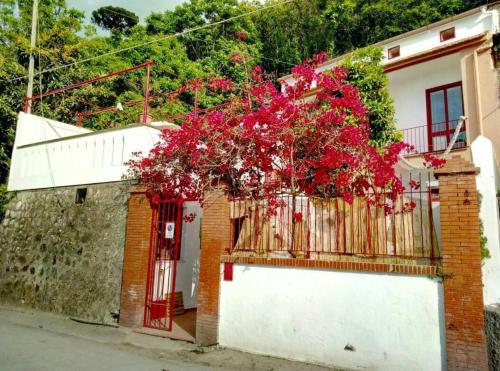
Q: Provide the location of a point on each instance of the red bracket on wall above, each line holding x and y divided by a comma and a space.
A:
228, 271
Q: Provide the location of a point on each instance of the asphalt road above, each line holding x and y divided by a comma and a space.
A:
35, 340
28, 348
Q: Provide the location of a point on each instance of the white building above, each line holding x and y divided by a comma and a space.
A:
436, 74
340, 316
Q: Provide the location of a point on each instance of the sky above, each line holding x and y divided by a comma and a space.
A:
140, 7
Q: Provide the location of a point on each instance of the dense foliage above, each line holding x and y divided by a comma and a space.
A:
367, 74
5, 197
277, 38
297, 31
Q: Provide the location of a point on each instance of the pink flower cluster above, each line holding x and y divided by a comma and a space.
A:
240, 35
432, 161
265, 141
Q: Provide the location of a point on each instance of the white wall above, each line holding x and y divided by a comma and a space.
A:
188, 269
82, 158
407, 87
488, 181
33, 129
467, 27
392, 321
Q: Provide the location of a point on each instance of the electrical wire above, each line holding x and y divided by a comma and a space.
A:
163, 38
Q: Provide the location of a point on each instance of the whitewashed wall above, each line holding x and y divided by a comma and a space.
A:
394, 322
488, 181
33, 129
407, 87
52, 154
188, 270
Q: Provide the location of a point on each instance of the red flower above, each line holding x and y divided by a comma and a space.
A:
414, 185
240, 35
431, 161
220, 84
194, 84
189, 218
348, 197
237, 58
264, 140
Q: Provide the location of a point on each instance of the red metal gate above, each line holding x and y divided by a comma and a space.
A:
163, 255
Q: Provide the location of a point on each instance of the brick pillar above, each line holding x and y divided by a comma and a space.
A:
215, 237
463, 288
135, 260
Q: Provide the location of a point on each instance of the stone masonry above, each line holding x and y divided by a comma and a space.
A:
492, 318
65, 257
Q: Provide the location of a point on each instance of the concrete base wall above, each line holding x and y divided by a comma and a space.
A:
63, 257
356, 320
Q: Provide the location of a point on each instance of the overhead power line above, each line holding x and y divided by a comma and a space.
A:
166, 37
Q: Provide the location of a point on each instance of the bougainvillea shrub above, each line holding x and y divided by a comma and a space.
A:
265, 141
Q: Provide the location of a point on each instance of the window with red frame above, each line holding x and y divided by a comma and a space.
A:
393, 52
444, 108
447, 34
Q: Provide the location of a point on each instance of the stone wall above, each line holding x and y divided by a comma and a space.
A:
65, 257
492, 318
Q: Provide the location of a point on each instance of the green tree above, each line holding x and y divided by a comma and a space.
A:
115, 19
171, 69
367, 74
292, 32
58, 43
212, 47
295, 31
58, 40
197, 13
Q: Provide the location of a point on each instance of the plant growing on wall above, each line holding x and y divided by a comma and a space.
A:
483, 240
5, 197
265, 141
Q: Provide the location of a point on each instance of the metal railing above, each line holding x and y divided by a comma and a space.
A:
79, 116
311, 227
434, 138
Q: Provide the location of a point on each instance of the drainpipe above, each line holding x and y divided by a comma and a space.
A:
478, 95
